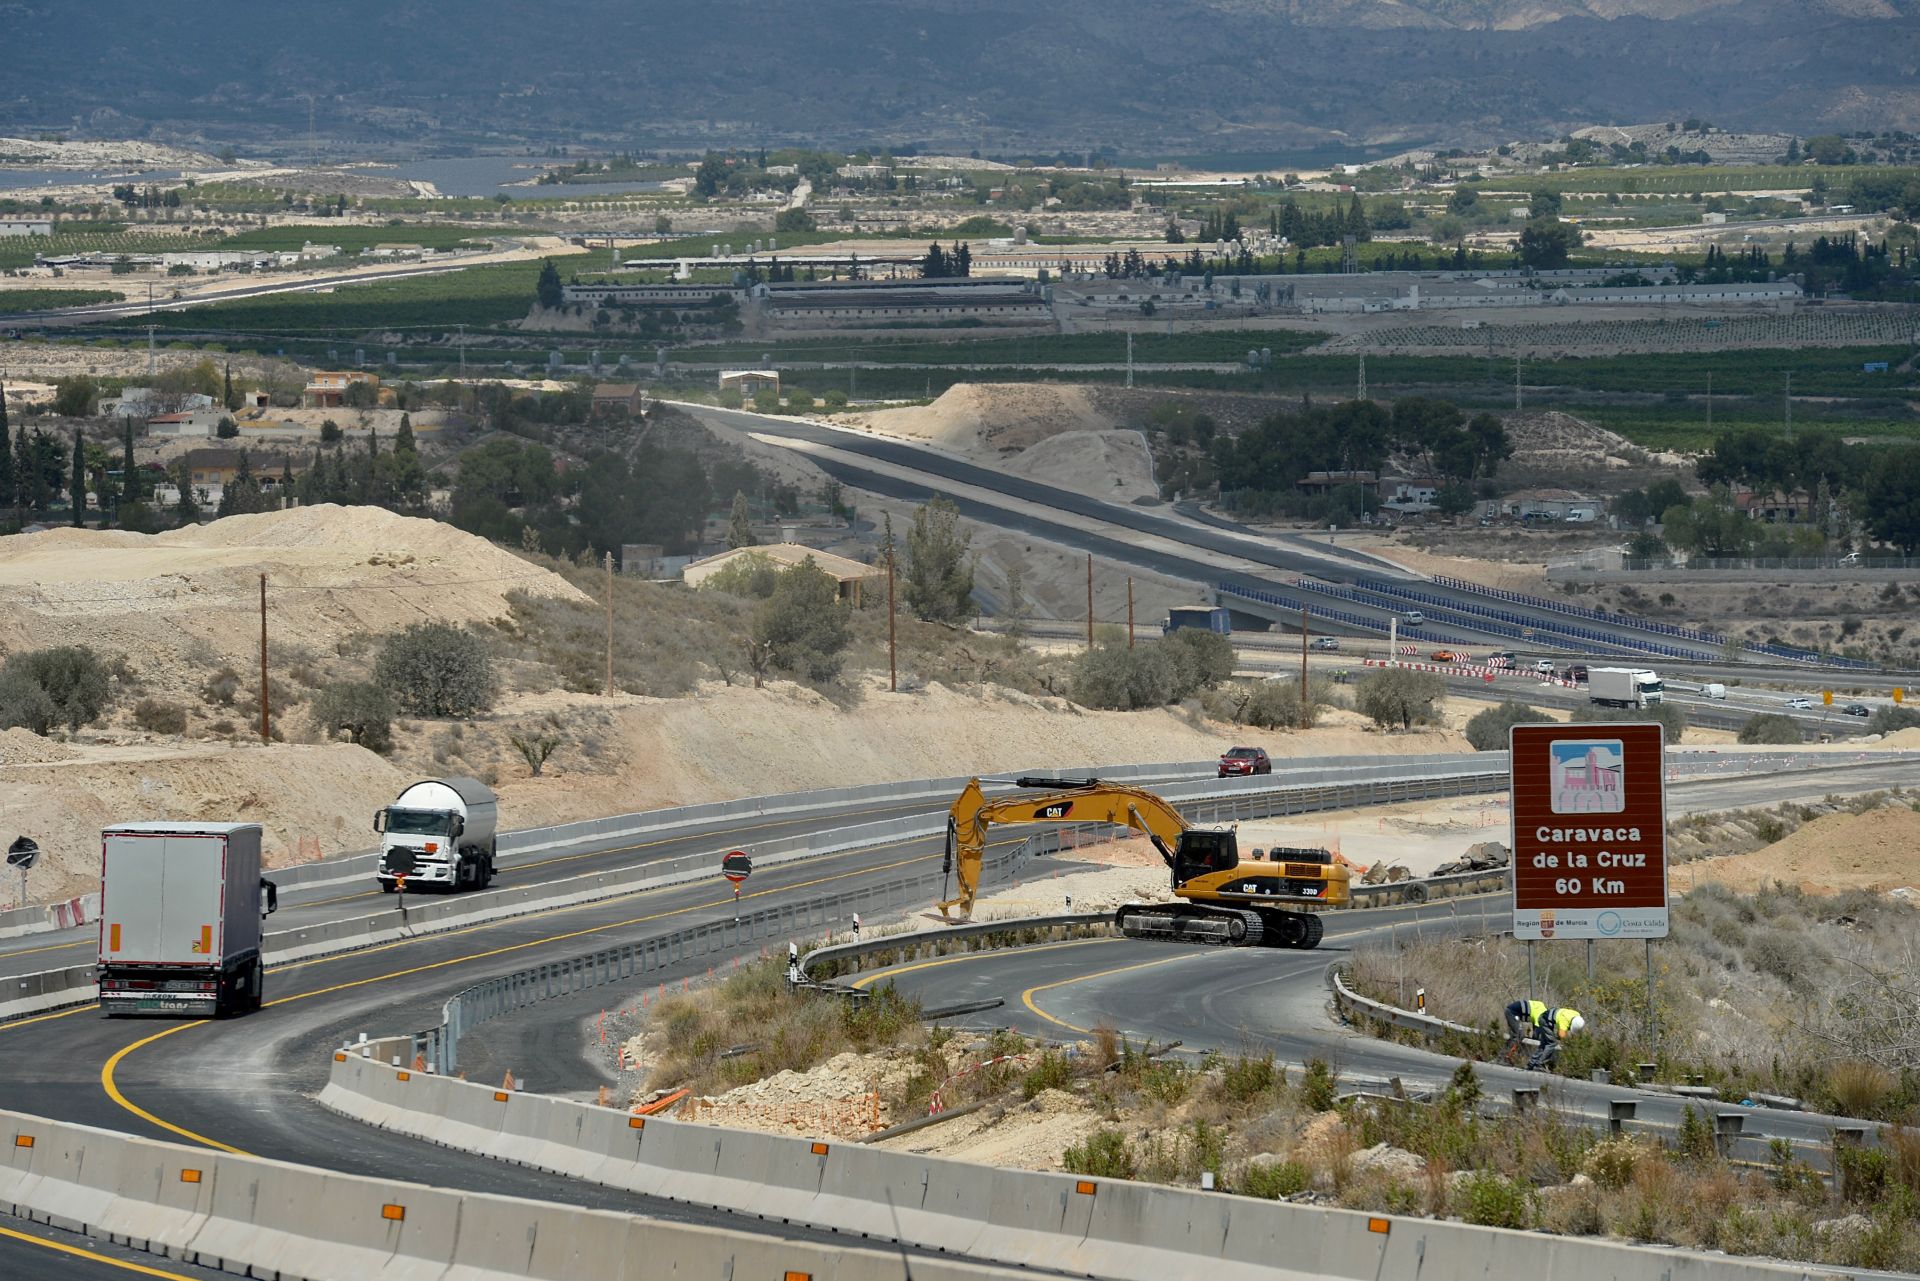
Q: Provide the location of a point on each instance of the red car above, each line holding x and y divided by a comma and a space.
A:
1245, 760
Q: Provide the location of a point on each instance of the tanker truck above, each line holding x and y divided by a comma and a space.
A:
439, 832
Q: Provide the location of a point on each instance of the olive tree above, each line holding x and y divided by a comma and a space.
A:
436, 669
361, 710
803, 624
1395, 696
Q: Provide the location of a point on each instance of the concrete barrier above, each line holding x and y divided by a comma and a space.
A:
267, 1218
1093, 1227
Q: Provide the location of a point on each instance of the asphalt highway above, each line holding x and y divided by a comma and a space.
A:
36, 1252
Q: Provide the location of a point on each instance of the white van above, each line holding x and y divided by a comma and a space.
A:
1714, 691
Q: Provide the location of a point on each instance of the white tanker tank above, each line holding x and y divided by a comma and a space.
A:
439, 832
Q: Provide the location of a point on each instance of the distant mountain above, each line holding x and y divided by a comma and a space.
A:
1218, 76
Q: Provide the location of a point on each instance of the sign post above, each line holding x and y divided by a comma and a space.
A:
1589, 814
736, 867
22, 854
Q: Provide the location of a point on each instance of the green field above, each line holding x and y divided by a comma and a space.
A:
16, 300
352, 239
484, 295
1689, 178
20, 251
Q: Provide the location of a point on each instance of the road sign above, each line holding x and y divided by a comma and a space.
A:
1589, 840
736, 867
1899, 694
22, 853
1826, 696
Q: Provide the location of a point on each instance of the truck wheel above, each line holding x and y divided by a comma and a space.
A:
258, 996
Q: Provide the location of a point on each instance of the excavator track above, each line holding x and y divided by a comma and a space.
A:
1301, 930
1192, 923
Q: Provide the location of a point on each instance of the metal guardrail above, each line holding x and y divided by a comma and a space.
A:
973, 929
1351, 1002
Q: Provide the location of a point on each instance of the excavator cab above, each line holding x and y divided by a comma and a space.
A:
1201, 850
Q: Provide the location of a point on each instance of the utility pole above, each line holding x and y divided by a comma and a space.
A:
1089, 600
1306, 712
1360, 391
1516, 382
609, 624
1129, 358
893, 647
266, 733
1129, 611
149, 341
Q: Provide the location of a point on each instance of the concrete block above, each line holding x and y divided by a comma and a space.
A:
162, 1193
1029, 1214
1268, 1234
468, 1116
522, 1134
69, 1172
950, 1209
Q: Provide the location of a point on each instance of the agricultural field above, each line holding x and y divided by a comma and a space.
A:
1811, 329
352, 239
18, 300
112, 238
1692, 178
489, 294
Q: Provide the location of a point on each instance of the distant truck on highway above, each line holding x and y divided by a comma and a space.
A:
439, 832
181, 906
1623, 687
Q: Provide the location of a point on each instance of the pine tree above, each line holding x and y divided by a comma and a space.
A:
1357, 225
185, 507
548, 289
77, 489
409, 477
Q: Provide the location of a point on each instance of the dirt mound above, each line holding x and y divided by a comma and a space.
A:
331, 572
1906, 738
1872, 851
311, 801
1042, 431
24, 747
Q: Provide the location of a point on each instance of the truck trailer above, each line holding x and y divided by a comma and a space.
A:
440, 832
1623, 687
181, 906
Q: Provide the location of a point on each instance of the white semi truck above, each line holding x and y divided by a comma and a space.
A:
181, 906
440, 832
1623, 687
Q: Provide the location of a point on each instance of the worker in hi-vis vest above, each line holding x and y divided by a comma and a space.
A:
1548, 1024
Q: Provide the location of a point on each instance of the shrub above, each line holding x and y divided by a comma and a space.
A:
1052, 1072
1611, 1162
1102, 1154
834, 399
72, 677
1121, 679
1201, 660
803, 624
160, 718
752, 576
1319, 1086
23, 704
1864, 1173
1770, 727
359, 709
799, 401
1276, 705
1170, 1082
1858, 1088
1694, 1141
1889, 720
1246, 1079
435, 669
1487, 731
1275, 1180
1490, 1200
221, 687
1394, 696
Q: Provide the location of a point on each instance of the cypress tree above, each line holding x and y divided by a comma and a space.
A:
78, 488
129, 474
6, 453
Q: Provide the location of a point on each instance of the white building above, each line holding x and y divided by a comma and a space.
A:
26, 226
199, 424
145, 402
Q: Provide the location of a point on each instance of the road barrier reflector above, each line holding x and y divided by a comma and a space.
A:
1084, 1187
404, 1076
636, 1123
339, 1056
189, 1176
393, 1213
501, 1096
1382, 1226
798, 1276
819, 1149
23, 1140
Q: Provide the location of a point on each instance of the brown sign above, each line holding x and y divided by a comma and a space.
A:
1589, 831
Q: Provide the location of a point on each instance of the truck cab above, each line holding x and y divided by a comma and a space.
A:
440, 833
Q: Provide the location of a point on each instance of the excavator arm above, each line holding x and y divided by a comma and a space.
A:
1054, 801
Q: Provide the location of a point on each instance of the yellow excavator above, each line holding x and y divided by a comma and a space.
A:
1221, 899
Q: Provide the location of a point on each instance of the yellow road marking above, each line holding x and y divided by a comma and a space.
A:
74, 1250
108, 1071
113, 1090
1026, 997
969, 956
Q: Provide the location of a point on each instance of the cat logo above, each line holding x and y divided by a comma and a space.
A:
1060, 809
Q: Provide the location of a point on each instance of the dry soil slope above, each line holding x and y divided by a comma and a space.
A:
1040, 431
